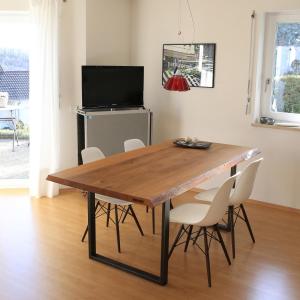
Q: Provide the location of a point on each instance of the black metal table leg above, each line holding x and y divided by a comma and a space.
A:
226, 227
91, 224
164, 256
162, 279
117, 228
153, 220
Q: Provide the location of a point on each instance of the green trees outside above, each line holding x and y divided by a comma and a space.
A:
291, 94
287, 88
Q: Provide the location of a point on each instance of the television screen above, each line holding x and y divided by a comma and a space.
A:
112, 86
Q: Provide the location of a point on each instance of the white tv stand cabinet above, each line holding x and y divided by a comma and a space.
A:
108, 129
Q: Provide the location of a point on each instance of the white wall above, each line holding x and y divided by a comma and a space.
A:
14, 5
92, 32
108, 32
216, 114
72, 57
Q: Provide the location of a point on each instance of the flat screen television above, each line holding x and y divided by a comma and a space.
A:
112, 86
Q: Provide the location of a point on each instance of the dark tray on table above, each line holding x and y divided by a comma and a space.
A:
191, 144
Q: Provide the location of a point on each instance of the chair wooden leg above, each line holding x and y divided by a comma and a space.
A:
207, 257
231, 225
135, 219
84, 235
171, 205
247, 222
188, 238
176, 240
197, 236
147, 209
222, 243
126, 213
108, 215
86, 229
117, 227
153, 220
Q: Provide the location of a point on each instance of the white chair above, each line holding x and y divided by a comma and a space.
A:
239, 194
91, 154
134, 144
205, 216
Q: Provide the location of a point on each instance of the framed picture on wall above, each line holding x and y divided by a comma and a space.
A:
196, 62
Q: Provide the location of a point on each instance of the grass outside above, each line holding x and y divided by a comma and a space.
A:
23, 134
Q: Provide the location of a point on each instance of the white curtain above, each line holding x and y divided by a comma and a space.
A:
44, 97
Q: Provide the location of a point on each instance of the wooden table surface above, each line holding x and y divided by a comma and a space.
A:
153, 174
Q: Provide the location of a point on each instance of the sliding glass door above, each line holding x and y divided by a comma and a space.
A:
15, 43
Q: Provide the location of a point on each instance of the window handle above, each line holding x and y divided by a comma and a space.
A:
267, 83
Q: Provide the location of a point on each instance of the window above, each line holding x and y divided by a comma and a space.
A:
281, 73
15, 44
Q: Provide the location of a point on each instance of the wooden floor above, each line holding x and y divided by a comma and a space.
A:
42, 257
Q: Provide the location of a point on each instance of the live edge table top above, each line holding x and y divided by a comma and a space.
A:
153, 174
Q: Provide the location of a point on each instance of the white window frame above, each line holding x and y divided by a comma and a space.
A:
271, 21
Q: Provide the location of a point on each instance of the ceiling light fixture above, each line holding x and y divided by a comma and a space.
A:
178, 82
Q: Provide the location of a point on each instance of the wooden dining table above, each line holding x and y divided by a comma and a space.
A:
150, 176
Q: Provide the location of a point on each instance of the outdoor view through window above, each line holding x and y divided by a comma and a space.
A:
14, 96
286, 69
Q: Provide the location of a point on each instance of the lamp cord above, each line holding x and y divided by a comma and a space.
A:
192, 18
180, 19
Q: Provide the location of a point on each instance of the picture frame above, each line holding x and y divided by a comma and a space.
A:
195, 61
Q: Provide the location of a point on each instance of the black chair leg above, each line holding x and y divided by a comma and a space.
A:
135, 219
126, 213
153, 220
188, 238
84, 235
247, 222
207, 257
117, 228
197, 236
231, 225
86, 229
222, 243
176, 240
171, 205
108, 215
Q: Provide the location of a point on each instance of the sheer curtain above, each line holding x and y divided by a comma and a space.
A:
44, 97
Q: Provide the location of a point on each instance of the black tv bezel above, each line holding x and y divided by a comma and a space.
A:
109, 106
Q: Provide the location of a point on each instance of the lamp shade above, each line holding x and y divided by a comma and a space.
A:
177, 83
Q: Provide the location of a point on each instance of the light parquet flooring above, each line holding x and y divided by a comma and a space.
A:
42, 257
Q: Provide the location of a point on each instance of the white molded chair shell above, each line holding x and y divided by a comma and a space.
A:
189, 213
111, 200
90, 154
243, 188
203, 214
245, 183
133, 144
220, 203
207, 195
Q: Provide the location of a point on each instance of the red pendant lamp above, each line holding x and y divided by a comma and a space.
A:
177, 83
